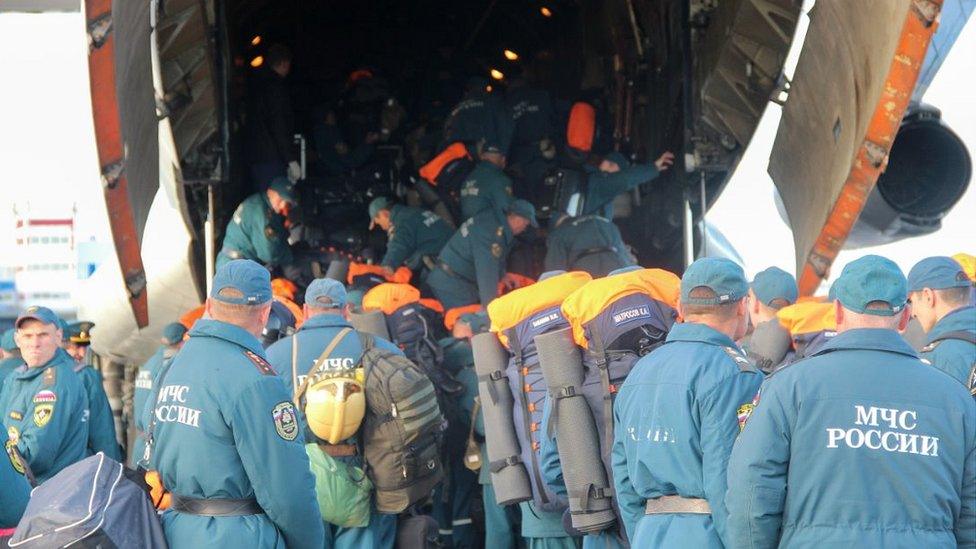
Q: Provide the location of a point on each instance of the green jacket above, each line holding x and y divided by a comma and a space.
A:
590, 243
414, 234
487, 187
256, 232
603, 187
477, 252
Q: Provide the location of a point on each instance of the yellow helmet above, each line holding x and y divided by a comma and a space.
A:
334, 407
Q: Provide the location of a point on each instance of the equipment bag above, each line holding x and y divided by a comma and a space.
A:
446, 173
417, 532
92, 503
342, 490
402, 431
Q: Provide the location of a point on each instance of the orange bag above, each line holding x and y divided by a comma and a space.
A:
807, 317
452, 315
400, 276
157, 492
581, 127
432, 169
389, 297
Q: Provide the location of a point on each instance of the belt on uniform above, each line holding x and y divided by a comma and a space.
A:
339, 450
450, 272
215, 507
665, 505
593, 251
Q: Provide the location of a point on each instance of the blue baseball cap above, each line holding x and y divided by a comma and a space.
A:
40, 314
241, 282
627, 269
937, 273
283, 186
523, 208
871, 279
775, 283
173, 333
7, 340
378, 204
325, 293
720, 275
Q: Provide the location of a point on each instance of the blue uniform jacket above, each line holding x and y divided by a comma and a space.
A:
953, 356
414, 234
143, 390
861, 445
476, 255
256, 232
676, 422
313, 337
226, 428
14, 493
44, 413
101, 422
486, 188
602, 187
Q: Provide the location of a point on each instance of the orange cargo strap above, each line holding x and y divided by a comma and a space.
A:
872, 156
581, 127
389, 296
517, 305
432, 169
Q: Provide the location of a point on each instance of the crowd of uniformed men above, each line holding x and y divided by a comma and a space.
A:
848, 436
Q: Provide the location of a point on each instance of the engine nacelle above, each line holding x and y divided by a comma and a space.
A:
928, 171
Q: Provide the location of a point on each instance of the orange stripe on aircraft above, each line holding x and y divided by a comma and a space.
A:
108, 140
872, 156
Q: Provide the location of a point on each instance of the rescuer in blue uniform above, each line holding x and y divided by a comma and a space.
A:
257, 229
860, 445
11, 355
44, 404
616, 175
171, 342
101, 421
412, 234
472, 262
676, 416
325, 307
481, 120
770, 290
486, 187
939, 290
589, 243
224, 434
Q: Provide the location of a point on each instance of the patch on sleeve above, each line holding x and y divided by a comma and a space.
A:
10, 446
496, 250
743, 414
13, 434
50, 377
285, 420
16, 416
262, 365
43, 414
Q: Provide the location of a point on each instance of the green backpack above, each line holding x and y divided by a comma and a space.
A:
342, 490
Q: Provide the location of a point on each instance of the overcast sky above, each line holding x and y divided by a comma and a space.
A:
47, 150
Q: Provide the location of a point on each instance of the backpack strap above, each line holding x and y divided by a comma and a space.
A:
294, 369
958, 335
523, 398
319, 361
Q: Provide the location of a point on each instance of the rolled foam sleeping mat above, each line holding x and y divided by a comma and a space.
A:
509, 477
338, 269
769, 344
590, 506
373, 322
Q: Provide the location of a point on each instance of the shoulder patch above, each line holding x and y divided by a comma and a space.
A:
43, 414
50, 377
10, 446
262, 365
45, 397
285, 420
741, 361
